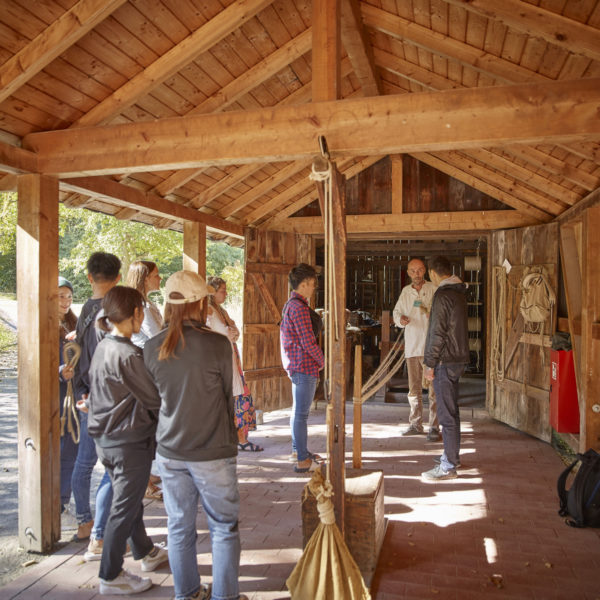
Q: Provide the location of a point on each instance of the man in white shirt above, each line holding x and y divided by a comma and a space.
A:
412, 313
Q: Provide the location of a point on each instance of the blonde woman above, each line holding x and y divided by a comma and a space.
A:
218, 320
143, 276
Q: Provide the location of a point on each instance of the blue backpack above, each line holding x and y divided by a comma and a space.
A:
581, 502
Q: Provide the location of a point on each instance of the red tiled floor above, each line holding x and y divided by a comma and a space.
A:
449, 540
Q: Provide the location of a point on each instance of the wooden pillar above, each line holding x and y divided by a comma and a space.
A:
397, 175
194, 247
326, 43
338, 350
357, 420
38, 425
590, 331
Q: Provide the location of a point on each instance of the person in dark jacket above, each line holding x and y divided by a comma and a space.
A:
123, 413
446, 354
103, 272
196, 439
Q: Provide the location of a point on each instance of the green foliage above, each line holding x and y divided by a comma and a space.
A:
8, 338
8, 241
82, 232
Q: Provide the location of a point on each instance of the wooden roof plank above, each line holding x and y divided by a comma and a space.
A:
52, 42
538, 22
172, 61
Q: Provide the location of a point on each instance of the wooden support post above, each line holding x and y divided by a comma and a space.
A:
397, 184
194, 247
38, 425
336, 448
590, 345
357, 419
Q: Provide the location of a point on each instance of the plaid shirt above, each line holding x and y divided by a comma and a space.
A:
300, 352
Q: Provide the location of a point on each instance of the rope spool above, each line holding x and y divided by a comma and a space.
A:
472, 263
474, 323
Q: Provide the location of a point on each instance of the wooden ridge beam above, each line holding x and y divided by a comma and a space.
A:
201, 40
70, 27
537, 22
443, 222
433, 121
127, 196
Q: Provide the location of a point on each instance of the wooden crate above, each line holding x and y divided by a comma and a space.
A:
364, 518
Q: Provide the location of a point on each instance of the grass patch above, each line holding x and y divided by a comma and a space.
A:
8, 338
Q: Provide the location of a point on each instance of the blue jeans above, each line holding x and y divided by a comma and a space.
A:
82, 472
104, 496
215, 483
303, 393
445, 383
68, 456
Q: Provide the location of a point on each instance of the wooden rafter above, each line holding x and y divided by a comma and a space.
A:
52, 42
535, 21
466, 118
356, 42
226, 21
127, 196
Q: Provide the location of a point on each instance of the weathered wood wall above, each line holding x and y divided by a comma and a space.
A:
269, 257
521, 398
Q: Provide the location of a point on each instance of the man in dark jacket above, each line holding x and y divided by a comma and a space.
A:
446, 354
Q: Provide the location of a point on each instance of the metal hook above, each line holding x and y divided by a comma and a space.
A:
323, 147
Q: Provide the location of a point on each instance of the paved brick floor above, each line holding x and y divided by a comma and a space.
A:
496, 525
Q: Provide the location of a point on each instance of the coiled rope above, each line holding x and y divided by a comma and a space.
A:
70, 418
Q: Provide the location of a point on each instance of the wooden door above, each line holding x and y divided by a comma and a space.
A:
269, 257
519, 370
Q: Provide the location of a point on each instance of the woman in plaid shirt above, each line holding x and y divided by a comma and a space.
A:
302, 358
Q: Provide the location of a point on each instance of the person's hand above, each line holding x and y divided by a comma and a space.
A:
82, 404
71, 336
67, 373
429, 374
233, 334
404, 320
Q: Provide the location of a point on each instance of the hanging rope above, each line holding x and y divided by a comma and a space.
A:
386, 369
70, 418
498, 323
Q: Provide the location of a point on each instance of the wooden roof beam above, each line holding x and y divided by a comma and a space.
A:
425, 122
488, 181
356, 41
201, 40
232, 92
17, 161
69, 28
107, 189
538, 22
465, 221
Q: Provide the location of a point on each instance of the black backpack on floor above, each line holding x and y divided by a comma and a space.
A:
581, 502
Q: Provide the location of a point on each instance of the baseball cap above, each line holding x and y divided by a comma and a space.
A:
62, 282
190, 285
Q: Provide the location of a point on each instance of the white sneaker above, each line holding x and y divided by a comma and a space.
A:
124, 584
94, 550
151, 563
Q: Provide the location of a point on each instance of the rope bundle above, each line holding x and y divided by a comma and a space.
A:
70, 419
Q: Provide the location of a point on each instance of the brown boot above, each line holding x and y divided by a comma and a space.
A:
83, 532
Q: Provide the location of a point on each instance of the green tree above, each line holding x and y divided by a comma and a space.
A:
8, 242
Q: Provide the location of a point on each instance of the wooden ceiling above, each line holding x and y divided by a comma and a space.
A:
167, 110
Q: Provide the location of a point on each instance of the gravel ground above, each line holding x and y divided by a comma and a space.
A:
13, 559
